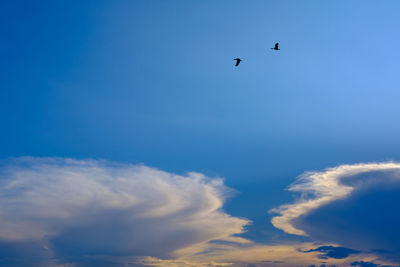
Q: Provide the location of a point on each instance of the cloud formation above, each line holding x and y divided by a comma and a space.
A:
257, 255
320, 188
70, 208
66, 212
351, 205
333, 252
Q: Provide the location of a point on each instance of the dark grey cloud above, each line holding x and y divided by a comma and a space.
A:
364, 264
355, 206
369, 264
333, 252
367, 220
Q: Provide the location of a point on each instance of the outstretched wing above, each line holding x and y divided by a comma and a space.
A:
276, 46
237, 62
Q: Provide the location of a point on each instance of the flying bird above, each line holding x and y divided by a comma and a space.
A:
276, 47
237, 61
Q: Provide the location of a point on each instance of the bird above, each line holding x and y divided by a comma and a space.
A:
276, 47
237, 61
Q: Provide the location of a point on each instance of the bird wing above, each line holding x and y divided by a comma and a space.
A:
276, 45
237, 62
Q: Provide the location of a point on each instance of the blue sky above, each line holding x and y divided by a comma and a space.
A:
154, 83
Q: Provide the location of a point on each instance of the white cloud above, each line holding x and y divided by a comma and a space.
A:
66, 212
78, 207
355, 206
321, 188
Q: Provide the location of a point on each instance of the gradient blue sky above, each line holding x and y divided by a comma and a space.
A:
154, 82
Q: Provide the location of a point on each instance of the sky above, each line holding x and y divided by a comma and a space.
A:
129, 138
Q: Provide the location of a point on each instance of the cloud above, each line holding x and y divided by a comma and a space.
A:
67, 212
283, 255
333, 252
364, 264
369, 264
355, 206
320, 188
69, 208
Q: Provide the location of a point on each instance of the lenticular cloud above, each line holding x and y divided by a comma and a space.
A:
89, 207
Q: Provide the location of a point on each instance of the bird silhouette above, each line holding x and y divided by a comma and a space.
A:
276, 47
237, 61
